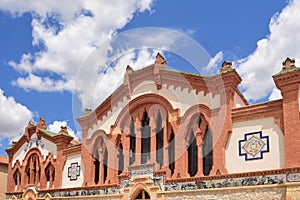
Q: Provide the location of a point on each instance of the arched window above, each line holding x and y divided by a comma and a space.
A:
145, 138
96, 167
192, 154
159, 140
100, 162
121, 159
207, 153
171, 152
50, 175
33, 169
17, 179
132, 143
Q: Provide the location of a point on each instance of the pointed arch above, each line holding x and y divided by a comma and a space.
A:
97, 145
17, 179
159, 140
50, 175
171, 152
139, 191
207, 150
146, 142
33, 169
192, 154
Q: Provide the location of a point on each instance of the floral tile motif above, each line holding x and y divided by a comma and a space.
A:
73, 171
253, 146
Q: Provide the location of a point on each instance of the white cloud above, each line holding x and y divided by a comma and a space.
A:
113, 77
68, 32
214, 63
32, 82
14, 117
275, 94
56, 126
257, 69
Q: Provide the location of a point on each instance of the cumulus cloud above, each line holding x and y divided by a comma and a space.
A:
66, 33
257, 69
56, 126
14, 117
113, 77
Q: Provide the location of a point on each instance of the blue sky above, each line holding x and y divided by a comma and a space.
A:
42, 46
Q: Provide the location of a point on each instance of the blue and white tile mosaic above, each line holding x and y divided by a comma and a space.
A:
253, 146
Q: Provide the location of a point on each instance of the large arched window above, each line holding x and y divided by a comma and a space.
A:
50, 175
159, 140
171, 152
33, 169
145, 138
132, 143
207, 153
192, 154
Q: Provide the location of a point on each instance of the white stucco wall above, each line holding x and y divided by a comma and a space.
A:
66, 182
271, 160
178, 98
45, 146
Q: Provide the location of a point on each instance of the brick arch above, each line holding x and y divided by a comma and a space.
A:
32, 151
137, 189
96, 137
199, 108
16, 166
137, 104
30, 194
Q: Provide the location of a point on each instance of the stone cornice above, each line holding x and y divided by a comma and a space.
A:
72, 150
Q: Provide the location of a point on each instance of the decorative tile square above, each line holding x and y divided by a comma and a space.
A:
73, 171
253, 146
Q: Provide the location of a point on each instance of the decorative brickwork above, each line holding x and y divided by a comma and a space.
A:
159, 142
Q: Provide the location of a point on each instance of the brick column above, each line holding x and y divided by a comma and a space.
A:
287, 81
126, 147
165, 146
199, 138
138, 142
51, 179
226, 84
89, 166
62, 142
153, 130
101, 170
181, 161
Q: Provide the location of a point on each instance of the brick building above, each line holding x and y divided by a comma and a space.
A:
3, 175
166, 134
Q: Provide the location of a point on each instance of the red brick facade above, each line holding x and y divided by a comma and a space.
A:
184, 135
